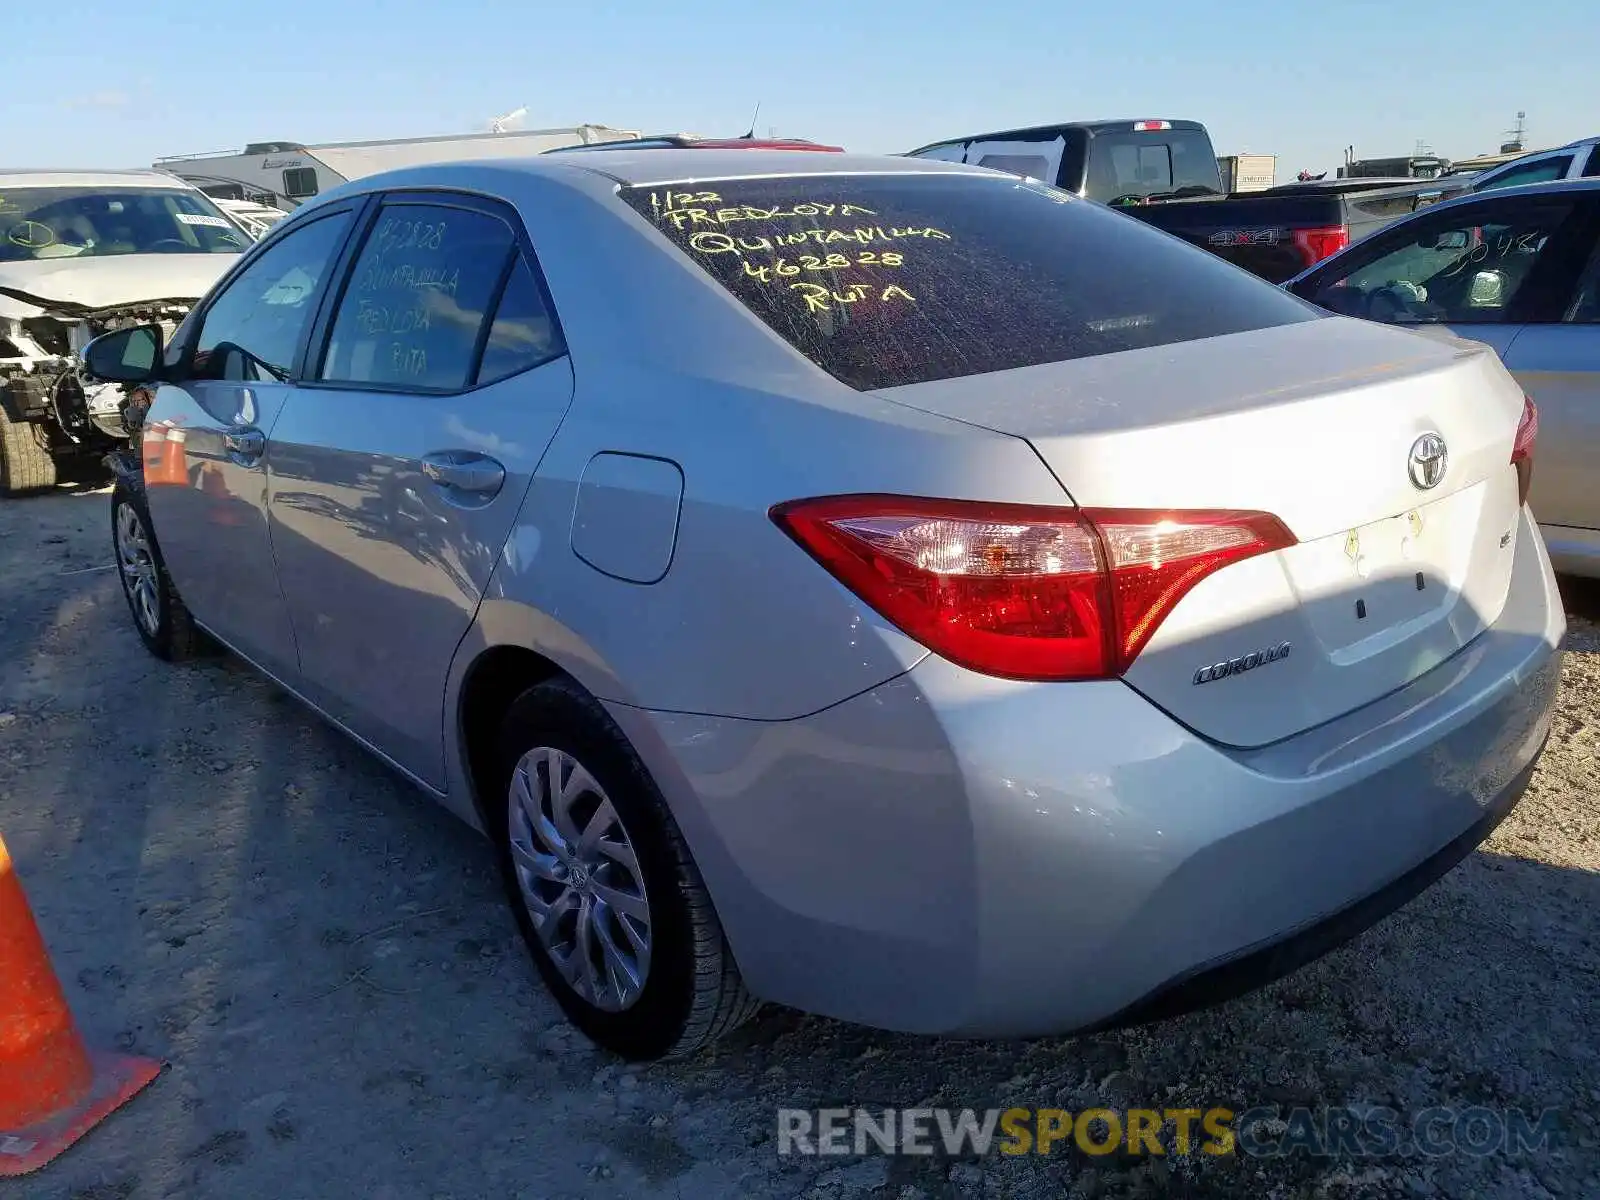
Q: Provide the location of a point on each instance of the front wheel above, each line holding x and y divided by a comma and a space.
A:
26, 464
605, 893
159, 615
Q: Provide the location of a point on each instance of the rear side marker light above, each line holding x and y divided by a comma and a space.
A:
1024, 591
1522, 448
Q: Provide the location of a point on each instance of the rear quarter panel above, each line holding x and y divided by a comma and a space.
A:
670, 367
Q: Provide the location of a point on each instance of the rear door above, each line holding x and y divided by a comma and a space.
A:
437, 378
1559, 364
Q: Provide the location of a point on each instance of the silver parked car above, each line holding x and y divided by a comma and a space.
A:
1575, 160
886, 587
1517, 269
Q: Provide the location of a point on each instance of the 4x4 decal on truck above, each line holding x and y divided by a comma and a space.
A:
1244, 237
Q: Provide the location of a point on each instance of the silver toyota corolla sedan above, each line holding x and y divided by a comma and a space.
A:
885, 587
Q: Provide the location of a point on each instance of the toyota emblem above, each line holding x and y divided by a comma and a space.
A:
1429, 458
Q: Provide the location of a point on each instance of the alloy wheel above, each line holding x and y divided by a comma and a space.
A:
138, 567
579, 877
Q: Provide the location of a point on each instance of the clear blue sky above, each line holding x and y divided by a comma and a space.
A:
121, 83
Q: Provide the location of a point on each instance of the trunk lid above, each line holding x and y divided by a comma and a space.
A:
1315, 423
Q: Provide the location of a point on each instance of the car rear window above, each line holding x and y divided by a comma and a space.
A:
1128, 166
885, 280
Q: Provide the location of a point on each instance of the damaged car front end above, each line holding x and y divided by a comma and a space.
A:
43, 377
80, 257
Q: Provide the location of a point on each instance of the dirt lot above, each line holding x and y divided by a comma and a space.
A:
323, 958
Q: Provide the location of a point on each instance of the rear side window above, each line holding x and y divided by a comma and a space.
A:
418, 298
1035, 166
523, 333
949, 152
884, 280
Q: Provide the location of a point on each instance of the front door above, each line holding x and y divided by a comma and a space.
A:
208, 504
1559, 366
400, 463
1481, 269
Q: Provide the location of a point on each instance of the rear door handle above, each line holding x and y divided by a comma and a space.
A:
465, 471
246, 444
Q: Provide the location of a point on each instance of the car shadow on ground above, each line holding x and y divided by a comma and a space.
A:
325, 959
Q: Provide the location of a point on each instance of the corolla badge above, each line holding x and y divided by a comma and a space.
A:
1245, 662
1429, 458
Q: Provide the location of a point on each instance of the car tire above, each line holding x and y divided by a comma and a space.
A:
26, 464
159, 615
637, 912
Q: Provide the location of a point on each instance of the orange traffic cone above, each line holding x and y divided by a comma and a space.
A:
53, 1090
177, 461
162, 449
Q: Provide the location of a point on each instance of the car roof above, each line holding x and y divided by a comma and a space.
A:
683, 141
1529, 155
660, 166
1551, 188
42, 178
666, 166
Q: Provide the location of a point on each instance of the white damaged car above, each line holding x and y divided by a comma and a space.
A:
82, 253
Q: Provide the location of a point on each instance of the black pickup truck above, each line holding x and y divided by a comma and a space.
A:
1165, 172
1280, 232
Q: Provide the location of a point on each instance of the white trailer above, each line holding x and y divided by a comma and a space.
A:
283, 174
1248, 172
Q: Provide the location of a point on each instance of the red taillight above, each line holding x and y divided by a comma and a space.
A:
1150, 126
1021, 591
1522, 448
1317, 244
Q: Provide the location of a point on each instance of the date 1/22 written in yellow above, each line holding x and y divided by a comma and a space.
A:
824, 299
783, 268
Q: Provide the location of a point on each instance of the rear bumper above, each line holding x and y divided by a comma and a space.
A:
1212, 983
953, 854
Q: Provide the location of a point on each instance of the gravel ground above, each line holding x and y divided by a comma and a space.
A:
324, 959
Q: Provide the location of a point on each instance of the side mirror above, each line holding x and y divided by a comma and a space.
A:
131, 355
1454, 240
